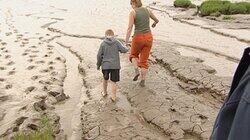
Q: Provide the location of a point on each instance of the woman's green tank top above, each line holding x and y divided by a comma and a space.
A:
142, 21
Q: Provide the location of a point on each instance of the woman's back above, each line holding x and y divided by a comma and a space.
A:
142, 21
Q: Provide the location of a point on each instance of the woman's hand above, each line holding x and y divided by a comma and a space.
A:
130, 26
154, 24
152, 16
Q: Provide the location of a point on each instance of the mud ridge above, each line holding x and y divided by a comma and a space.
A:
196, 25
195, 77
230, 58
79, 36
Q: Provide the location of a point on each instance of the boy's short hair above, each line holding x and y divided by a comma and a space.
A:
109, 32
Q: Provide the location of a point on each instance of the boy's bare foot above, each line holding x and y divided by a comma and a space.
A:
137, 74
142, 83
113, 99
104, 94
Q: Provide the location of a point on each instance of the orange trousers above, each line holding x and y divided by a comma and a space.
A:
141, 46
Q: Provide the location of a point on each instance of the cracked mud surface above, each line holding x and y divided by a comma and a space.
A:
51, 68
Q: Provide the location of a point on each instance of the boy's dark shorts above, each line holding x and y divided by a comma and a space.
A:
114, 74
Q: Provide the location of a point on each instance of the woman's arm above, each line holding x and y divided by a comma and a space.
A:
130, 26
152, 16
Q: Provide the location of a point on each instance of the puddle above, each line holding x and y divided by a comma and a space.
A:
69, 111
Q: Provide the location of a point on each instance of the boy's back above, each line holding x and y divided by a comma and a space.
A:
108, 54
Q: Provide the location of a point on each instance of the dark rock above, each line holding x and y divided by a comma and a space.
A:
40, 106
30, 89
32, 126
61, 97
55, 90
53, 93
20, 120
15, 129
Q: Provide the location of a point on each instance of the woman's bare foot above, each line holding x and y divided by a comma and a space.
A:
142, 83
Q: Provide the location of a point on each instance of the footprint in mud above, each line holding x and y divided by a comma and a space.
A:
15, 31
26, 39
30, 60
51, 68
40, 38
50, 52
46, 55
5, 51
30, 89
40, 62
54, 73
35, 51
7, 56
33, 46
9, 86
10, 63
24, 43
35, 77
33, 56
8, 34
60, 59
44, 71
19, 35
49, 49
2, 68
4, 43
27, 50
45, 82
51, 63
2, 79
31, 67
50, 46
12, 72
24, 54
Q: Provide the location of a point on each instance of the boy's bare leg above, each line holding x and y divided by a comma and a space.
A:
143, 77
105, 87
135, 62
114, 90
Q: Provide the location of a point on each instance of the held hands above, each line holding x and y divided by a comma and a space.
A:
128, 45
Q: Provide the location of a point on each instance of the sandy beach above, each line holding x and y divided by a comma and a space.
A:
48, 66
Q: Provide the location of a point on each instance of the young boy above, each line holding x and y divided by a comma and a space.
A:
108, 58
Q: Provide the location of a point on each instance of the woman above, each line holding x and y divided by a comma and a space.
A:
142, 40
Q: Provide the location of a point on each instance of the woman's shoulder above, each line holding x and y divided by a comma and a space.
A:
132, 11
